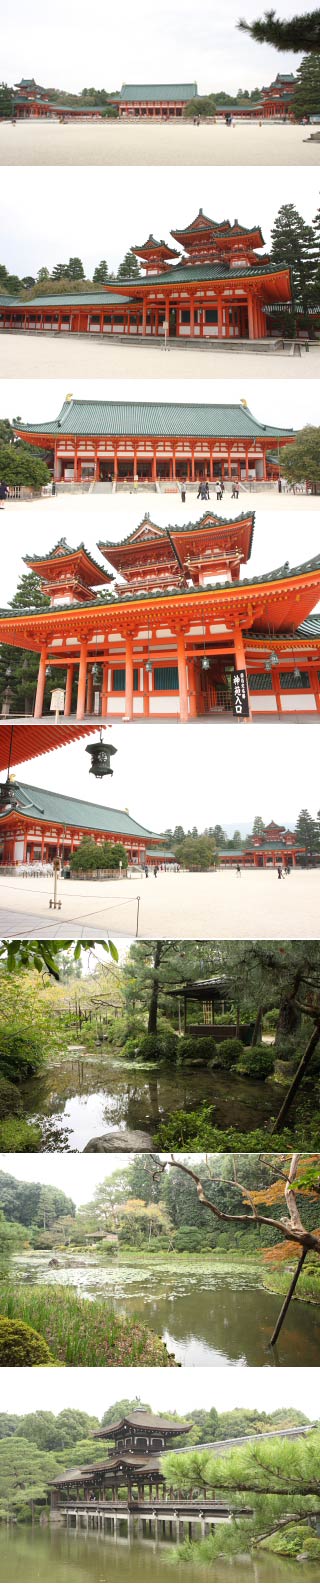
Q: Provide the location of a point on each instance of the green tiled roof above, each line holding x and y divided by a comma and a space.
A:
59, 809
157, 91
201, 420
65, 300
205, 272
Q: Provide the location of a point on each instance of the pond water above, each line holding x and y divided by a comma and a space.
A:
207, 1315
41, 1555
84, 1095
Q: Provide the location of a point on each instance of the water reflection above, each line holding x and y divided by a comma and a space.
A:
41, 1555
88, 1095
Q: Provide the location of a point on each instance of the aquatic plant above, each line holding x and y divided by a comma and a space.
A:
82, 1332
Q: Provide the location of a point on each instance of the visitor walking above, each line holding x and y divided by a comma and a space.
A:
146, 872
4, 492
279, 872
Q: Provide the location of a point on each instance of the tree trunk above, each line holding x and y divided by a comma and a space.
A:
289, 1020
154, 999
296, 1082
257, 1028
286, 1302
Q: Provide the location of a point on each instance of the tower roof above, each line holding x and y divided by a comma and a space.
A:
144, 1422
68, 558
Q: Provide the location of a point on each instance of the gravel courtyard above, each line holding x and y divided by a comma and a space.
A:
27, 357
180, 906
132, 143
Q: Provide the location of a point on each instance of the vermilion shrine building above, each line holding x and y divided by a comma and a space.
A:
118, 442
215, 285
41, 825
172, 628
275, 846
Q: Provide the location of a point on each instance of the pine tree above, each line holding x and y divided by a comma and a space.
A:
129, 270
306, 98
316, 282
296, 34
75, 270
101, 273
293, 244
19, 668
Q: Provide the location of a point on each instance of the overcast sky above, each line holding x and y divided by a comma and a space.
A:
276, 540
69, 1173
291, 405
94, 1389
123, 212
196, 775
105, 47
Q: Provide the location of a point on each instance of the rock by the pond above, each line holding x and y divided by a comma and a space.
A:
121, 1140
54, 1262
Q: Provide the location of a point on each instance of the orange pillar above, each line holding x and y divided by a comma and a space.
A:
104, 695
90, 693
220, 316
182, 670
68, 694
81, 700
192, 688
129, 677
41, 683
250, 317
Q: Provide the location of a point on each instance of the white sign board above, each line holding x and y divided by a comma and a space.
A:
57, 699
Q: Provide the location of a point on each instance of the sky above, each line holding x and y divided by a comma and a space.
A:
123, 212
95, 1389
276, 539
106, 47
70, 1174
195, 776
293, 405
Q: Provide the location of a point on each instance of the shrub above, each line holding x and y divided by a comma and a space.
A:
189, 1239
10, 1101
270, 1019
198, 1132
20, 1053
228, 1053
257, 1062
160, 1048
287, 1049
18, 1135
196, 1049
21, 1346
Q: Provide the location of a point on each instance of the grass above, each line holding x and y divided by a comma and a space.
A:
82, 1332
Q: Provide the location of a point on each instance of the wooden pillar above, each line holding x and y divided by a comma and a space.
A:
192, 689
90, 693
81, 699
41, 683
154, 464
192, 463
182, 670
129, 677
104, 696
250, 317
220, 315
68, 693
191, 316
315, 685
275, 675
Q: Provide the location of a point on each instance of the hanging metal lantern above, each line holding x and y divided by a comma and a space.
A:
148, 666
205, 663
297, 674
9, 795
100, 754
274, 658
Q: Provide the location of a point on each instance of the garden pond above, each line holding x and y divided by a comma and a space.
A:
208, 1312
83, 1095
39, 1554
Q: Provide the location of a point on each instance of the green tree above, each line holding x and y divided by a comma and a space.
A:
75, 270
129, 270
197, 853
6, 101
278, 1480
101, 273
59, 271
307, 832
20, 466
293, 244
203, 105
25, 1472
300, 461
297, 33
306, 98
43, 273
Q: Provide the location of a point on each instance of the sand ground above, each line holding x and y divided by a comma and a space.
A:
75, 501
180, 906
69, 357
113, 143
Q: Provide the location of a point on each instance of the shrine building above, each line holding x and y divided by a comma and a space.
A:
155, 100
36, 824
216, 285
31, 101
274, 846
169, 629
156, 442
